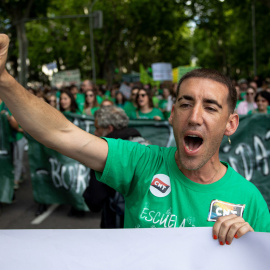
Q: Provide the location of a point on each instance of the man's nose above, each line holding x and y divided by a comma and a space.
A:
196, 115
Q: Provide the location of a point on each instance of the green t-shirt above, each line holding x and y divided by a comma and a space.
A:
150, 115
2, 106
257, 111
93, 110
163, 104
14, 135
129, 108
80, 99
157, 194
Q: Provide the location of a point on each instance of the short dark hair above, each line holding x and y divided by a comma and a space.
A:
215, 76
263, 94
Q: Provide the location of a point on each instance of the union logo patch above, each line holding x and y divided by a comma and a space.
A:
220, 208
160, 185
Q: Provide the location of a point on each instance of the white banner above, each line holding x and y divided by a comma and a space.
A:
66, 78
162, 71
132, 249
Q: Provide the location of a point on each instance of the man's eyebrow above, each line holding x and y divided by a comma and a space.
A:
186, 97
212, 101
207, 100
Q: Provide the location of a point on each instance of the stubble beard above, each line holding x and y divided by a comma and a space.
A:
196, 163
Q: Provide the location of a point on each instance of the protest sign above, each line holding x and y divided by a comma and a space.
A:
66, 78
162, 71
132, 249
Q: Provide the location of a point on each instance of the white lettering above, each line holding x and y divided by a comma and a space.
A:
68, 176
183, 223
226, 212
143, 212
83, 173
246, 154
261, 155
157, 214
163, 221
55, 172
172, 220
217, 211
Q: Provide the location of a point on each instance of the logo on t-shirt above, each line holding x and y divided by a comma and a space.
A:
160, 185
220, 208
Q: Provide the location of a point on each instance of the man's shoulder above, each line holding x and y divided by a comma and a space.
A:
240, 180
152, 147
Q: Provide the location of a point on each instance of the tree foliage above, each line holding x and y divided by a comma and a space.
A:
223, 38
141, 32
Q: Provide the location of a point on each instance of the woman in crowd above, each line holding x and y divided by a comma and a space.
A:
163, 103
68, 103
145, 107
51, 99
91, 104
79, 97
249, 104
120, 99
262, 100
131, 105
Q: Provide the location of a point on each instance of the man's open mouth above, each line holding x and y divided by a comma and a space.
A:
193, 142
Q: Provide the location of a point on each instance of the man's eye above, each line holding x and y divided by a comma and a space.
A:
211, 109
184, 105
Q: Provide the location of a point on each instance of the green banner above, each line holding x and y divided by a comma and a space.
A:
250, 150
6, 165
55, 177
58, 179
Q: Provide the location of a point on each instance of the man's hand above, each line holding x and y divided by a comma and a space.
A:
228, 227
4, 42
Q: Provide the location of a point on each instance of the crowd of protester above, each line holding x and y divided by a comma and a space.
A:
144, 101
141, 102
253, 96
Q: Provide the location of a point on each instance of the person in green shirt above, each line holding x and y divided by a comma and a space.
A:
145, 107
91, 104
262, 100
120, 100
163, 103
67, 103
79, 97
131, 105
18, 141
201, 116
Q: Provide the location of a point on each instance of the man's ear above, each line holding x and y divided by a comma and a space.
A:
171, 116
110, 129
232, 124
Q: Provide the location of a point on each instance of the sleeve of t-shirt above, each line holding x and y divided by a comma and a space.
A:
126, 161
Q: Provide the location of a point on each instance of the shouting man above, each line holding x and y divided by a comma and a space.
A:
163, 187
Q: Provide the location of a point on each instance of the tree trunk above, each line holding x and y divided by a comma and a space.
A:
23, 44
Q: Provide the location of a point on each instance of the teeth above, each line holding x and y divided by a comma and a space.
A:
194, 136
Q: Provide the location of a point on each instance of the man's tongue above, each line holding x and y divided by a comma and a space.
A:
193, 143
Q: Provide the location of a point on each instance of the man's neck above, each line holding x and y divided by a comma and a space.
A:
211, 172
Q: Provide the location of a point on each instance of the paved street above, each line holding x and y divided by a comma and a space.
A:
21, 213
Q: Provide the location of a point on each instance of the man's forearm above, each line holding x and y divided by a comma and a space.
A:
45, 123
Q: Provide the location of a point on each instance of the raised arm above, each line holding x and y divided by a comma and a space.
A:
46, 124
